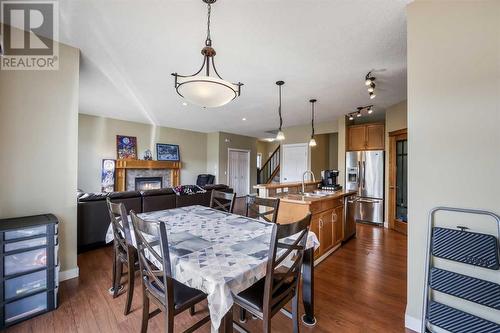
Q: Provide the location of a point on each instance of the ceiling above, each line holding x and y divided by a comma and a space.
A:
321, 49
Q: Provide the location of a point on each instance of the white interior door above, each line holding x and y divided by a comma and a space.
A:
294, 162
238, 176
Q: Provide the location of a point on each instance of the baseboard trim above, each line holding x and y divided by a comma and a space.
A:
69, 274
413, 323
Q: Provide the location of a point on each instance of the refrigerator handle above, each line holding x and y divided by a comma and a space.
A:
364, 174
359, 174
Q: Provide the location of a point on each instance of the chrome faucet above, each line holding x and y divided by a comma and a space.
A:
303, 179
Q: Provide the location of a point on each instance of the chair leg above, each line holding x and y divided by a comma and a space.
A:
169, 322
192, 311
130, 291
295, 312
145, 312
114, 269
243, 315
118, 277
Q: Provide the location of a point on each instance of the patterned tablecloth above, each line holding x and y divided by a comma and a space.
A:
216, 252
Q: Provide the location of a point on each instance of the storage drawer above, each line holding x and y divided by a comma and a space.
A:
26, 244
30, 306
25, 261
30, 283
28, 232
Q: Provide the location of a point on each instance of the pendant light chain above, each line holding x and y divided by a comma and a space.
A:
279, 109
312, 121
208, 41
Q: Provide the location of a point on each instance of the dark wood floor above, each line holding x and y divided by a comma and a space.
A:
359, 288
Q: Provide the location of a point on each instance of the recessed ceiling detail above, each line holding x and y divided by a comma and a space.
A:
130, 48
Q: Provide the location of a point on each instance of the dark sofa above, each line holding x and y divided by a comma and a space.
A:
93, 217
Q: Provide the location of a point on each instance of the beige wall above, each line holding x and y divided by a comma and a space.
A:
266, 149
396, 118
341, 150
213, 155
302, 134
320, 155
453, 123
237, 142
97, 140
333, 151
38, 145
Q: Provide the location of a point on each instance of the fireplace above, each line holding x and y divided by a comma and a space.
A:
148, 183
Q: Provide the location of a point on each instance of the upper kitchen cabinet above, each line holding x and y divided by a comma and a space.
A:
366, 137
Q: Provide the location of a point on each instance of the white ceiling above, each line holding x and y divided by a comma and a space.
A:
321, 49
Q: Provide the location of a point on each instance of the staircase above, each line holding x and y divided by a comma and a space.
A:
269, 173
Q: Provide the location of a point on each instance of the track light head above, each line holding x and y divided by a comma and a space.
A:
372, 95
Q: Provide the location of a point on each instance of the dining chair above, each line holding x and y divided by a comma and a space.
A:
270, 211
280, 285
124, 253
158, 286
222, 201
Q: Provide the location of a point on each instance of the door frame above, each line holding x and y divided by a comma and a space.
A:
229, 150
282, 157
394, 223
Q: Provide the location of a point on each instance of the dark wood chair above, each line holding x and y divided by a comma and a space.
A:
124, 253
222, 201
169, 295
270, 294
255, 203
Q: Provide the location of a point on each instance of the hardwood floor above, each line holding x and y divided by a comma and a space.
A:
359, 288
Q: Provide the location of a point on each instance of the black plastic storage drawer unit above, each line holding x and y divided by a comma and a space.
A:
29, 270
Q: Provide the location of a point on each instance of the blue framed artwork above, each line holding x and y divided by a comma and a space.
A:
108, 176
167, 152
126, 147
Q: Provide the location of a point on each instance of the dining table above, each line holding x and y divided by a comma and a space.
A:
222, 254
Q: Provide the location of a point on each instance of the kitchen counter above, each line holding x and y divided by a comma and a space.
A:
285, 185
273, 189
327, 220
308, 200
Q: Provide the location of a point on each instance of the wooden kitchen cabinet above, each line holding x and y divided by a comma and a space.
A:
366, 137
326, 235
338, 224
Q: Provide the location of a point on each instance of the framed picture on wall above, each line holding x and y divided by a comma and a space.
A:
167, 152
126, 147
108, 175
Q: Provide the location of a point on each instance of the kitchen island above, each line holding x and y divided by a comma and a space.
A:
327, 209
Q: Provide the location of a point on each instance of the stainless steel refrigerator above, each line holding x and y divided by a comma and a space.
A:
365, 174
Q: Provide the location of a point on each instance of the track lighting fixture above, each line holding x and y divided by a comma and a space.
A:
370, 82
359, 112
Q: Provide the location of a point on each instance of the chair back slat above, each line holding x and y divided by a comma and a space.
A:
269, 214
282, 280
119, 224
222, 201
151, 234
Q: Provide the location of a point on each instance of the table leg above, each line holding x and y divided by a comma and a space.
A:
226, 325
308, 287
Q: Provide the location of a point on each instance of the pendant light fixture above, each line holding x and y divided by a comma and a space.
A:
280, 136
206, 87
312, 142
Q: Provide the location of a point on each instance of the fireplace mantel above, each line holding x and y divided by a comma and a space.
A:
123, 165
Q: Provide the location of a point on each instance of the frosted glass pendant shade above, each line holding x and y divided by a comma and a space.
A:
280, 136
206, 91
312, 143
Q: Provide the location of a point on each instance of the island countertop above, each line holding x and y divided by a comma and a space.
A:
284, 185
302, 199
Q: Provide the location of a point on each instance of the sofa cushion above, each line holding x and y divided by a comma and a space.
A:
92, 197
158, 200
124, 195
